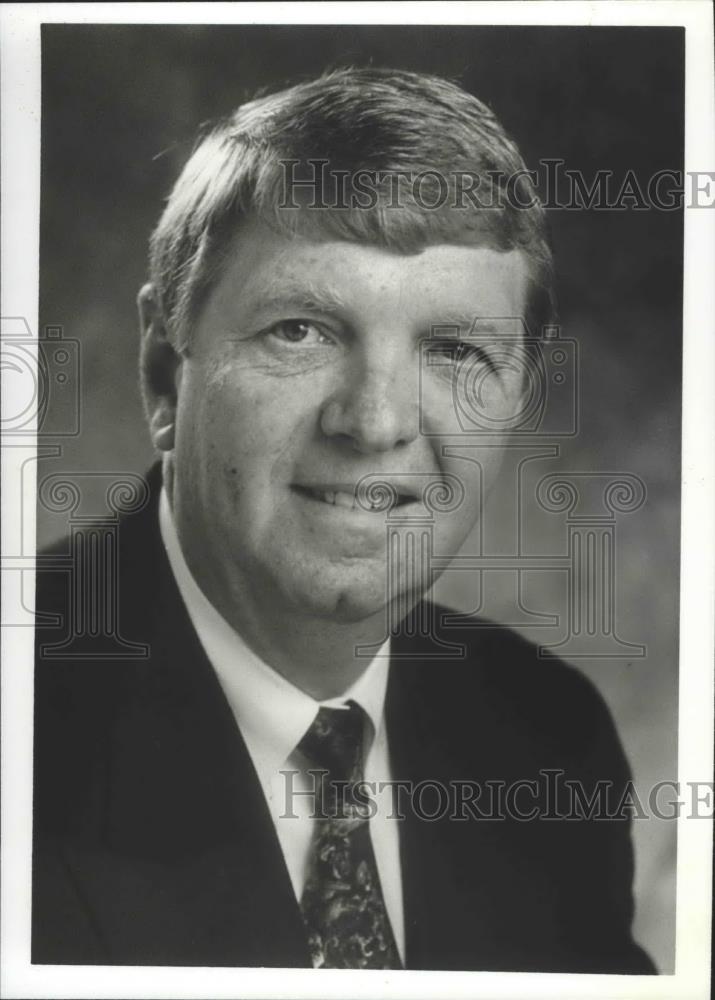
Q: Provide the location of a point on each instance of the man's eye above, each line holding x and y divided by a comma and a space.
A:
298, 331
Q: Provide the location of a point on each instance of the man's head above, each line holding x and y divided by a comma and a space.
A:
311, 248
392, 125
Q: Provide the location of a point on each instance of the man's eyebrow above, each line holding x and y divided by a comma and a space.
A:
461, 324
294, 295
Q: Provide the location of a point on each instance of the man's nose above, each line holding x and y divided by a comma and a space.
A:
377, 408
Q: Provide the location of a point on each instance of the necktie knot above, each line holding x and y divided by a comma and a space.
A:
335, 741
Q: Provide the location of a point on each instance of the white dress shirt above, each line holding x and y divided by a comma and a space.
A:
273, 715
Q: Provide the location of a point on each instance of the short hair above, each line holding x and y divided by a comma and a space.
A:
383, 123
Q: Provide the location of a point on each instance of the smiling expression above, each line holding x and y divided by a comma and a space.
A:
304, 375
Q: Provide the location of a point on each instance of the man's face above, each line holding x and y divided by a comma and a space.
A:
305, 374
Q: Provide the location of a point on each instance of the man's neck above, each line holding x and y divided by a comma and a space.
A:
323, 657
326, 661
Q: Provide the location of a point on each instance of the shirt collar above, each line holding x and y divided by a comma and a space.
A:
272, 714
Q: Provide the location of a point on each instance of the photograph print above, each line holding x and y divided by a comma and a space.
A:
358, 497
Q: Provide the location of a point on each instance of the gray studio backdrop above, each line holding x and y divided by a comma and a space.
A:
121, 105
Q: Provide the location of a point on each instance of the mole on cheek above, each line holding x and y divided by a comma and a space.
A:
229, 474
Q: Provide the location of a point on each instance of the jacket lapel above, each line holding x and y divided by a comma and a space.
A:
187, 811
222, 801
457, 872
188, 829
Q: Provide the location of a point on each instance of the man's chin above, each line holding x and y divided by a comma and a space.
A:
345, 594
350, 605
345, 606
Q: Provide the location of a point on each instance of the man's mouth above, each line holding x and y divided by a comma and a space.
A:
347, 498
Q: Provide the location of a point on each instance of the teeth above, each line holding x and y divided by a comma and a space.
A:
343, 500
339, 498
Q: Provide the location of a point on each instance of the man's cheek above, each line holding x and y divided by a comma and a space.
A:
233, 481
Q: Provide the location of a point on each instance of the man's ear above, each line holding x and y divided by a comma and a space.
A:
160, 365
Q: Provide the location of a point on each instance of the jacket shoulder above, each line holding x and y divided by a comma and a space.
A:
548, 706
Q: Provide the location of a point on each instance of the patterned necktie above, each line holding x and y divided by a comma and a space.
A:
342, 905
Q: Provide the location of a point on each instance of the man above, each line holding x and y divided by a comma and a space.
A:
337, 275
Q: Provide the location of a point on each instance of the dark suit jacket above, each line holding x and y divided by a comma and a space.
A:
153, 843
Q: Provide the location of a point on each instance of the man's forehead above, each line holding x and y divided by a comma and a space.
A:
453, 280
